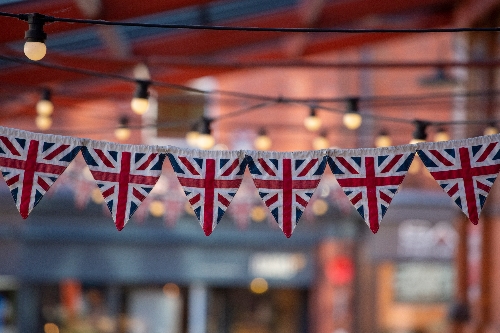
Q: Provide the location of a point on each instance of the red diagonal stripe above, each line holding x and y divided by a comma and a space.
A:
123, 183
12, 180
356, 198
346, 165
308, 167
392, 163
300, 200
223, 200
108, 192
43, 184
29, 175
195, 199
10, 146
146, 164
12, 163
230, 170
104, 158
440, 157
271, 200
454, 189
138, 194
487, 151
483, 187
188, 165
56, 152
266, 167
385, 197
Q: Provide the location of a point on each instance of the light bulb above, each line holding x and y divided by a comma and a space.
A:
262, 141
44, 107
122, 133
383, 139
491, 130
140, 101
157, 208
35, 50
192, 138
352, 120
43, 123
139, 105
321, 142
206, 141
312, 122
441, 135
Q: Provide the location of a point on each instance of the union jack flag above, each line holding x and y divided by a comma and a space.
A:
286, 182
124, 174
466, 174
210, 180
370, 181
31, 163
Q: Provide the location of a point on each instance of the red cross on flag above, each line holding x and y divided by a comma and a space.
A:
286, 182
125, 174
32, 162
465, 170
370, 177
209, 179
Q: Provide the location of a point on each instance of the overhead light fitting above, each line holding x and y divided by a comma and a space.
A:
321, 141
262, 141
352, 119
419, 135
122, 132
206, 140
193, 135
140, 101
312, 122
491, 129
441, 135
45, 107
35, 48
383, 139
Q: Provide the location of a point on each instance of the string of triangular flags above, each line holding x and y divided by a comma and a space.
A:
126, 174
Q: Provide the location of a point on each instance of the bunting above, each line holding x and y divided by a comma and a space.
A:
210, 180
31, 163
465, 170
125, 174
371, 177
286, 182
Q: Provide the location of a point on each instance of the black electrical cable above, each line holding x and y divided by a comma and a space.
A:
47, 18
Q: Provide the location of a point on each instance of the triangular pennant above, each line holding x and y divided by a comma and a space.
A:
125, 175
370, 177
465, 170
209, 179
32, 162
286, 181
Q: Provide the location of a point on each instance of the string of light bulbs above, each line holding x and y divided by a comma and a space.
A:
35, 48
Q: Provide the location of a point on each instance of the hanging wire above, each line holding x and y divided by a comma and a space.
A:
47, 18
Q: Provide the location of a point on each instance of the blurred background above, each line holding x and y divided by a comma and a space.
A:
66, 269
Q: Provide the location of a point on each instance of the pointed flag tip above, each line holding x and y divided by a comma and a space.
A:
119, 228
24, 216
288, 235
374, 229
475, 222
207, 232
